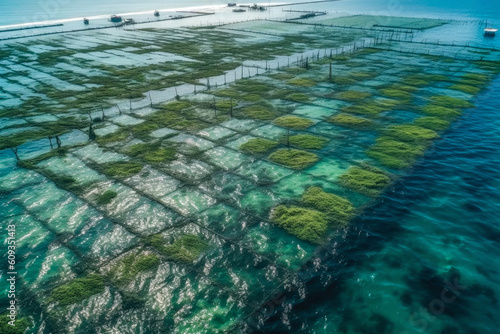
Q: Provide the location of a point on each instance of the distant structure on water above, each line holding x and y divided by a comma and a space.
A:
85, 21
490, 32
115, 18
157, 13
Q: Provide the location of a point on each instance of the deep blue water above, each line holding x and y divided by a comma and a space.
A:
425, 258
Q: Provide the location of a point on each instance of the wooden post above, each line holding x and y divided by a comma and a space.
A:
150, 100
330, 76
194, 89
215, 108
92, 135
50, 141
102, 109
14, 150
119, 110
58, 141
225, 82
130, 105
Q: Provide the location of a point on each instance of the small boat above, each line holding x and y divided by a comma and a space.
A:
231, 4
239, 10
257, 7
157, 13
85, 21
490, 32
129, 21
115, 18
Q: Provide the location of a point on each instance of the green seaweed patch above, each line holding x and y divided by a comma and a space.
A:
106, 197
293, 122
440, 111
226, 104
251, 97
350, 121
116, 136
228, 92
144, 128
67, 182
131, 265
367, 180
177, 120
395, 154
451, 102
368, 109
343, 80
403, 87
306, 141
362, 75
258, 145
295, 69
396, 93
261, 112
282, 76
466, 89
177, 105
433, 123
78, 290
185, 249
306, 224
21, 324
339, 210
297, 97
292, 158
411, 133
122, 169
152, 152
476, 76
302, 82
131, 300
352, 95
416, 81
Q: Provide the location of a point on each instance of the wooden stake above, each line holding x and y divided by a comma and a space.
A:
14, 149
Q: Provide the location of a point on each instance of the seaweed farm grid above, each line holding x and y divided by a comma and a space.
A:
174, 180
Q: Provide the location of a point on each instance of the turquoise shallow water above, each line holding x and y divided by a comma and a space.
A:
425, 258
